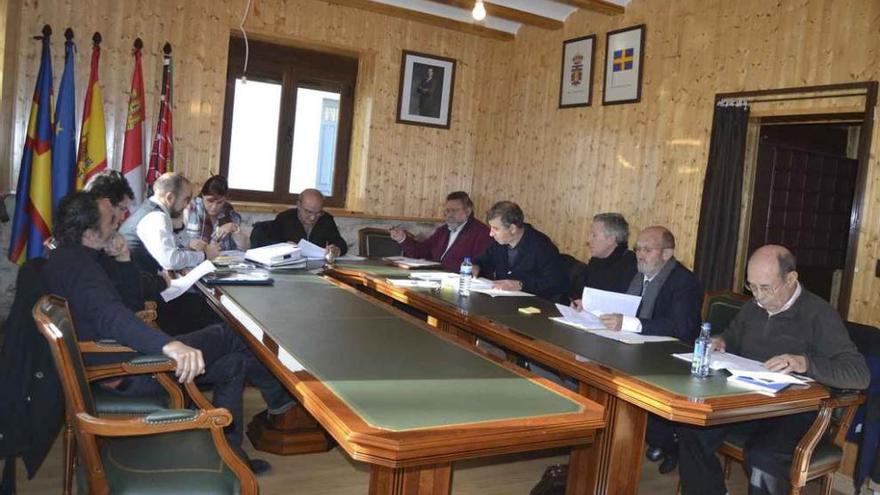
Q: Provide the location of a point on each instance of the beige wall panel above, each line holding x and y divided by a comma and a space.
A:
648, 160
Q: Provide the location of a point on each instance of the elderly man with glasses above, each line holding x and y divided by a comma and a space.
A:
790, 330
307, 221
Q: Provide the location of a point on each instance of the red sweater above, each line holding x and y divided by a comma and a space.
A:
471, 242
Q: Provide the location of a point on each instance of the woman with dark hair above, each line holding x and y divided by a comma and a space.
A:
210, 217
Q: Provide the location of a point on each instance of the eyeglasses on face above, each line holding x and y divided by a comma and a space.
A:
767, 290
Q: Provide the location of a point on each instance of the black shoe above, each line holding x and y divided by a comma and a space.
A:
553, 482
654, 454
670, 462
260, 466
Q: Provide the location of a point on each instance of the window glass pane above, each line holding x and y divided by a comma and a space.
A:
254, 135
314, 140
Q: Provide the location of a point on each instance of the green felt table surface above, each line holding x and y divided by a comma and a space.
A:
650, 362
392, 372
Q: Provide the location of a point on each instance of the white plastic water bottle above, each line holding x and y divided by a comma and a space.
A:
702, 352
464, 277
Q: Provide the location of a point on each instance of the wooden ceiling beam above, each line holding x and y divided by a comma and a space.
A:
508, 13
601, 6
425, 18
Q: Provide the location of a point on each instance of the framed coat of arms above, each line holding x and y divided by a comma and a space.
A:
576, 79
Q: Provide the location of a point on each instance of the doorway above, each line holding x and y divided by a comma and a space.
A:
802, 197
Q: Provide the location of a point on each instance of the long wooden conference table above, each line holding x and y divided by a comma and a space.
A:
393, 392
630, 380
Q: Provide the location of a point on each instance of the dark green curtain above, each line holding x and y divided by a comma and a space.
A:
718, 231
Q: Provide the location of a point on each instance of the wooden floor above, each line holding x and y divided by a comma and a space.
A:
333, 473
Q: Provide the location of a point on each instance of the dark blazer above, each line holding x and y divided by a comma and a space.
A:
287, 227
471, 242
613, 273
31, 399
538, 265
677, 310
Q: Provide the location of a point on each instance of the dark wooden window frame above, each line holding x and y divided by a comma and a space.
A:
293, 68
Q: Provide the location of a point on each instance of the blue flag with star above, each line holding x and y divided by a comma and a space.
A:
64, 148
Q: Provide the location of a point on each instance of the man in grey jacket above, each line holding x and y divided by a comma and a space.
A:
790, 330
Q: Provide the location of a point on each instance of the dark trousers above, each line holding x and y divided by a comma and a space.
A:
184, 314
661, 433
228, 364
768, 454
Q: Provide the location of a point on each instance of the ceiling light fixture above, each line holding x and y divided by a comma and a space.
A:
479, 11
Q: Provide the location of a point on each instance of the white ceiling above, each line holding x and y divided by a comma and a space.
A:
544, 8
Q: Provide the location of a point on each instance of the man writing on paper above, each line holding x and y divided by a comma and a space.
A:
671, 298
462, 236
307, 221
792, 331
521, 258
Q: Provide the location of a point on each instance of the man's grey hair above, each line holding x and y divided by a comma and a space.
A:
170, 182
615, 225
508, 212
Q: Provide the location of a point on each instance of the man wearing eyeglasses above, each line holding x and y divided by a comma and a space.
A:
307, 221
790, 330
671, 297
462, 236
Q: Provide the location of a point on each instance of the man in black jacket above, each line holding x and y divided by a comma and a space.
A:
521, 258
790, 330
612, 265
84, 227
307, 221
671, 299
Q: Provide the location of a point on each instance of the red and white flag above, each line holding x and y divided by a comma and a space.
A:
133, 146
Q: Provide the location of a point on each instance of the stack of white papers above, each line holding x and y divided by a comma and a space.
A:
431, 275
310, 250
620, 336
404, 262
600, 302
585, 318
180, 285
283, 253
411, 282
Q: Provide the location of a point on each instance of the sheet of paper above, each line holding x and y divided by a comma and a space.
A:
583, 318
603, 301
310, 250
405, 262
432, 275
769, 376
180, 285
726, 361
411, 282
502, 292
624, 337
477, 284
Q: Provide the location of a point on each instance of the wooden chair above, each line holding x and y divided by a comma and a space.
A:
819, 452
377, 243
720, 307
167, 451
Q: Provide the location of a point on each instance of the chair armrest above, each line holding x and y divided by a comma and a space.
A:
103, 345
138, 365
845, 398
163, 421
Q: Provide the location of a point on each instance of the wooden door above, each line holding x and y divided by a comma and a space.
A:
803, 200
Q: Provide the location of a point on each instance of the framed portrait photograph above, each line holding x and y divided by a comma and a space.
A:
624, 54
576, 77
426, 86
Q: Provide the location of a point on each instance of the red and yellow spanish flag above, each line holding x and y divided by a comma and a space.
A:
92, 157
32, 221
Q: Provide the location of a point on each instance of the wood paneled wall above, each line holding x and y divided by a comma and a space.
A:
648, 160
396, 169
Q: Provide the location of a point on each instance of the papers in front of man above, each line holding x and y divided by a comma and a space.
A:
501, 292
620, 336
311, 250
182, 284
281, 254
765, 382
226, 258
414, 283
410, 263
586, 318
726, 361
602, 301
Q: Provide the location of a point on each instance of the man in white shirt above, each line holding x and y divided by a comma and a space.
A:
155, 247
150, 232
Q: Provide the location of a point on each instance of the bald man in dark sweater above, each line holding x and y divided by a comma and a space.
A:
791, 330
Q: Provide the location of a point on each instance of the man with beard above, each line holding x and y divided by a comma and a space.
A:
154, 246
462, 236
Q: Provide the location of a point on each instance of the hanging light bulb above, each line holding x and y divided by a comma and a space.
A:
479, 11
